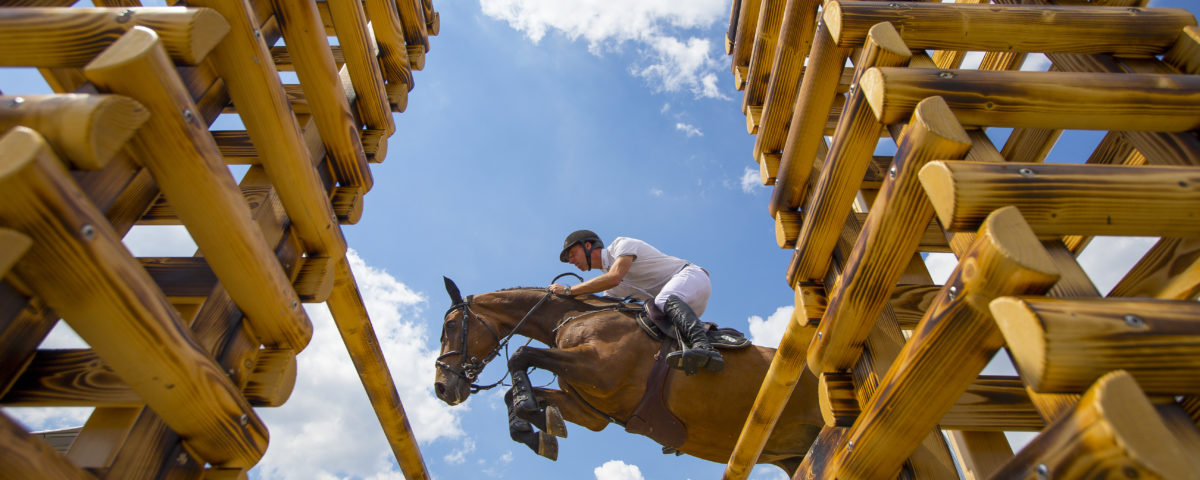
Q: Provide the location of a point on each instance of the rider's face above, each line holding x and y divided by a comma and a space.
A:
577, 258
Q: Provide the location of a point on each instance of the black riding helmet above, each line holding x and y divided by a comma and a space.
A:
579, 237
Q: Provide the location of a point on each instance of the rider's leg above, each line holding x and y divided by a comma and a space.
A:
684, 299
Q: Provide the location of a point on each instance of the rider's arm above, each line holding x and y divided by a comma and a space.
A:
608, 279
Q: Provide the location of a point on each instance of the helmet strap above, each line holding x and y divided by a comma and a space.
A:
587, 253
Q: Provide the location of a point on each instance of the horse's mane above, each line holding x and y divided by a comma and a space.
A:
596, 302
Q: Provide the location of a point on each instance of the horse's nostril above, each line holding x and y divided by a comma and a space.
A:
440, 389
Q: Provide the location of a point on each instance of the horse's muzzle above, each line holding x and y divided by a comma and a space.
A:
451, 390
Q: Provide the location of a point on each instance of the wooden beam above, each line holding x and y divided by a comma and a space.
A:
300, 24
393, 56
350, 315
1074, 29
87, 130
1069, 199
255, 88
813, 102
358, 45
1113, 432
1063, 346
744, 38
1169, 270
762, 57
79, 266
412, 21
187, 167
958, 332
70, 38
841, 175
897, 221
1068, 100
990, 403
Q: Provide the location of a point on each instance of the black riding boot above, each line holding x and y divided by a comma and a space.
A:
699, 354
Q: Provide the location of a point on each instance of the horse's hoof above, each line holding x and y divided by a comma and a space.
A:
554, 422
547, 446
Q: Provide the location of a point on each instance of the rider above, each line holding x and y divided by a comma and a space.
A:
633, 268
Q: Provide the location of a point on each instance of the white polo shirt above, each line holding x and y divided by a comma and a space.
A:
650, 270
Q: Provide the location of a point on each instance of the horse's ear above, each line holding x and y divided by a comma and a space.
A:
452, 289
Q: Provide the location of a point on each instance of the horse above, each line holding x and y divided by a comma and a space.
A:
602, 360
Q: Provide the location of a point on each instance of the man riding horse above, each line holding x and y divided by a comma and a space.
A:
633, 268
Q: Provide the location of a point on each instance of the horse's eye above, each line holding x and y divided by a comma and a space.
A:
450, 325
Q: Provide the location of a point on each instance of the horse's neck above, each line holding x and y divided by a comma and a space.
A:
509, 307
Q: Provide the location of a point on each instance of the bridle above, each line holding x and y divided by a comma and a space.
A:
469, 367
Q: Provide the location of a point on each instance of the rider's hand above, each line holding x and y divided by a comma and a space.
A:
556, 288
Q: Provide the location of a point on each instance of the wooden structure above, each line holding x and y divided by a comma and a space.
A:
1109, 381
182, 348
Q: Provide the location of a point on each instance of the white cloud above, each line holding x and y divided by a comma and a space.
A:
1107, 259
618, 470
767, 472
655, 26
159, 241
328, 427
665, 108
940, 266
459, 455
751, 180
688, 129
769, 332
656, 192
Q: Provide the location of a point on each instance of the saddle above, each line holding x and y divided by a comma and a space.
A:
652, 418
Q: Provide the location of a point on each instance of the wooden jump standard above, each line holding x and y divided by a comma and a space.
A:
181, 348
1014, 223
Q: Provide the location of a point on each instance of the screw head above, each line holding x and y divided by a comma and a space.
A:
88, 232
1027, 172
16, 102
188, 116
1135, 321
850, 445
125, 15
953, 292
892, 172
245, 419
1043, 472
946, 74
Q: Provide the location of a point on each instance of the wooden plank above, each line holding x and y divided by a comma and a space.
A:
1074, 29
762, 57
282, 58
841, 175
957, 332
990, 403
350, 315
412, 21
1063, 346
186, 165
813, 101
326, 97
1068, 199
393, 57
26, 456
359, 48
124, 318
255, 88
59, 37
1068, 100
1030, 145
1114, 432
273, 378
743, 40
897, 221
87, 130
980, 453
97, 443
15, 245
1184, 55
70, 378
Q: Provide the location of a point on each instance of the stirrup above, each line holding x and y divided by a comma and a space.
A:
693, 359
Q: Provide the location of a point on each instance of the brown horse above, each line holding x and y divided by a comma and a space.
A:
602, 360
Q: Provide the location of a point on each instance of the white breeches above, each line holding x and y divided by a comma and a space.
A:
691, 285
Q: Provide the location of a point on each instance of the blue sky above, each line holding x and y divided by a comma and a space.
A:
533, 118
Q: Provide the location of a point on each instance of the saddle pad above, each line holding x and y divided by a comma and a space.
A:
720, 338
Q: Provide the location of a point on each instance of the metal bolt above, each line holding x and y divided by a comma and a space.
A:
894, 5
850, 446
188, 116
1027, 172
245, 419
946, 74
88, 232
819, 335
16, 102
257, 33
892, 172
294, 304
953, 292
1134, 321
125, 15
1043, 472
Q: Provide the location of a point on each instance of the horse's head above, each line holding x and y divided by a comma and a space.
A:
468, 343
